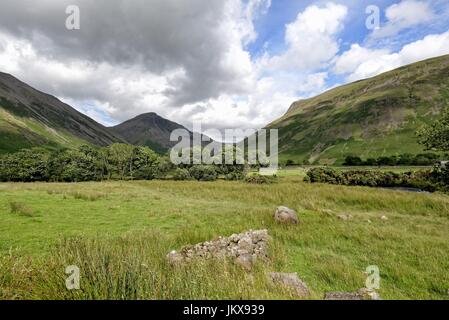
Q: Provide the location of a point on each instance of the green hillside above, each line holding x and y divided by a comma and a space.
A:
30, 118
17, 133
370, 118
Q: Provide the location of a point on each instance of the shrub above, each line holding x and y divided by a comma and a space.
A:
234, 176
181, 174
353, 161
324, 175
203, 173
259, 179
429, 180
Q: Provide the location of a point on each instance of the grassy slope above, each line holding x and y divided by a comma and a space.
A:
19, 133
411, 248
371, 118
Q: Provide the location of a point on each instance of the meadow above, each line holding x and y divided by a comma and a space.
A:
119, 233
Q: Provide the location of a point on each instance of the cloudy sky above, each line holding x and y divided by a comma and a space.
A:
227, 63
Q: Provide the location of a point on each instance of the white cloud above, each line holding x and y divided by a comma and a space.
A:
192, 63
311, 38
186, 69
404, 15
351, 59
360, 63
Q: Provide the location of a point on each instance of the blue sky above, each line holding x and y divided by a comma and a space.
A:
236, 64
270, 27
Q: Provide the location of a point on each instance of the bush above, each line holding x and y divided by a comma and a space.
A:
424, 159
203, 173
181, 174
259, 179
353, 161
429, 180
324, 175
234, 176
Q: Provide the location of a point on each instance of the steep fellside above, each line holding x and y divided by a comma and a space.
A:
149, 129
369, 118
30, 118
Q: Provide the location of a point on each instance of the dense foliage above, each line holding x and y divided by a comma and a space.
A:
117, 161
429, 180
436, 135
203, 172
260, 179
424, 159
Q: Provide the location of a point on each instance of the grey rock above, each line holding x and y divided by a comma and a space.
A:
286, 215
345, 217
362, 294
244, 248
291, 281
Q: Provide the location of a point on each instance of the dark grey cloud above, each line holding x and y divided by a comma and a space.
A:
158, 35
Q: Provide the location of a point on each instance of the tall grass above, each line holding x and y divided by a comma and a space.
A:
21, 209
131, 267
120, 241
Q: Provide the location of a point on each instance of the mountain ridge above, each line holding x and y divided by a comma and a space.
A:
29, 117
372, 117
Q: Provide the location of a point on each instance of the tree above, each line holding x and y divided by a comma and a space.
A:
144, 163
27, 165
353, 161
82, 164
120, 157
436, 136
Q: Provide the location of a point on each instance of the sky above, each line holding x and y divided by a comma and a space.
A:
229, 64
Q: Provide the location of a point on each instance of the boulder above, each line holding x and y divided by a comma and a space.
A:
362, 294
246, 261
286, 215
345, 217
292, 282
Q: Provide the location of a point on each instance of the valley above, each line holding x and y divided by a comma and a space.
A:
135, 224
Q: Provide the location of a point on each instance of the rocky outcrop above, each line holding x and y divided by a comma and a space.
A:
362, 294
244, 248
292, 282
345, 217
286, 216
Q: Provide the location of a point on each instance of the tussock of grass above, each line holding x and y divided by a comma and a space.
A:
88, 196
21, 209
132, 267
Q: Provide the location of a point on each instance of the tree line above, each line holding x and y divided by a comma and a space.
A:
423, 159
115, 162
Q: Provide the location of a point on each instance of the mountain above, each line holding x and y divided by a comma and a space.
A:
151, 130
369, 118
31, 118
148, 129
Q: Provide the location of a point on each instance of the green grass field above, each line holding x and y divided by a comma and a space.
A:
118, 233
